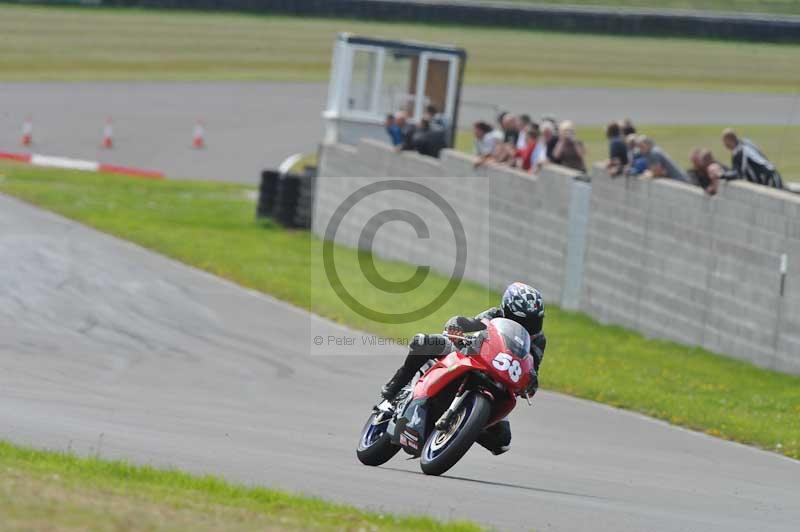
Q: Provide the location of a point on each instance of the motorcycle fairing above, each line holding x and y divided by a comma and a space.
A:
501, 408
443, 373
409, 431
451, 368
413, 426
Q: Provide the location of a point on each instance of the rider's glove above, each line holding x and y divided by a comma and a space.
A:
533, 385
454, 331
452, 328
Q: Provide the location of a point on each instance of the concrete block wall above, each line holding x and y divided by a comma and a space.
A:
656, 256
667, 260
516, 223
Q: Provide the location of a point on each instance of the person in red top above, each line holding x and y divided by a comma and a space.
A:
523, 155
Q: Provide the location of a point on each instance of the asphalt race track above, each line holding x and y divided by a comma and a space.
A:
108, 348
255, 125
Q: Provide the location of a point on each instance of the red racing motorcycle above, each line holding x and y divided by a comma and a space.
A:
440, 416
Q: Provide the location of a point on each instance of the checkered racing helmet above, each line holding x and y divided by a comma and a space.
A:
523, 304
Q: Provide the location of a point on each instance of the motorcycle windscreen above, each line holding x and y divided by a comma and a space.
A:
516, 339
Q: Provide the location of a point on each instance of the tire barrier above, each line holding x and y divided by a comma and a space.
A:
266, 193
647, 22
286, 198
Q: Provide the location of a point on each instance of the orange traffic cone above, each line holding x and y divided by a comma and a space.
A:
199, 136
27, 132
108, 134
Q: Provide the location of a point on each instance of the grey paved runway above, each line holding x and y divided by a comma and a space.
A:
255, 125
108, 348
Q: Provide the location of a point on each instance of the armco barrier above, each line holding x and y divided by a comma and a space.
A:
656, 256
648, 22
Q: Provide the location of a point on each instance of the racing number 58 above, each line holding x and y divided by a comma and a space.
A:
506, 362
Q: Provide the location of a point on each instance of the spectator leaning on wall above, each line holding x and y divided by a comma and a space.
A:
749, 163
658, 163
543, 153
705, 171
407, 129
617, 150
507, 128
505, 150
428, 140
552, 141
393, 130
569, 150
524, 155
485, 142
497, 131
523, 122
539, 155
637, 164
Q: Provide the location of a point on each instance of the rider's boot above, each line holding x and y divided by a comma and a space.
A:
396, 383
497, 438
497, 451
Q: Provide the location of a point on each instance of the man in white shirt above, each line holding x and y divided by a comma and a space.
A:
522, 126
539, 155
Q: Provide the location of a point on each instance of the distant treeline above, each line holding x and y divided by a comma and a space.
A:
764, 28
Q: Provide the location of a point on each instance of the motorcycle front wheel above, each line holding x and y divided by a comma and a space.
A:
444, 448
375, 446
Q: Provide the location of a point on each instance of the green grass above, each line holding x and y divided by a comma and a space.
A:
787, 7
211, 226
778, 142
99, 44
60, 492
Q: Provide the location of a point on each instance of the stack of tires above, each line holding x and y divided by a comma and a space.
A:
266, 193
305, 201
286, 198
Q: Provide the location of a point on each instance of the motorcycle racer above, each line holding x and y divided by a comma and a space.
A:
520, 303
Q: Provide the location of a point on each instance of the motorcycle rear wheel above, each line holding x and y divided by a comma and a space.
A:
375, 446
443, 449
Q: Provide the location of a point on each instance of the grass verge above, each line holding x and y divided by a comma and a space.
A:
211, 226
42, 490
125, 44
778, 142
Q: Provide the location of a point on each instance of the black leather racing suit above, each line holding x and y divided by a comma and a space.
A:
425, 347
